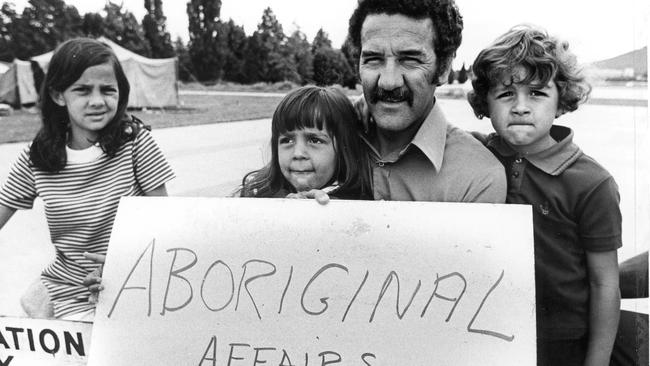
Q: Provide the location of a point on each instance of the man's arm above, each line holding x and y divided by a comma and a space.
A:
604, 306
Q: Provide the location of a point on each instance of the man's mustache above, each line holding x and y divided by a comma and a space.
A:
392, 96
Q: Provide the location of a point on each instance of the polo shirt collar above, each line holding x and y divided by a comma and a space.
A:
552, 161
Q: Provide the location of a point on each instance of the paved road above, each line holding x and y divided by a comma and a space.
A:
210, 160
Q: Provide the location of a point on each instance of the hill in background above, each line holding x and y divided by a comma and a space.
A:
631, 66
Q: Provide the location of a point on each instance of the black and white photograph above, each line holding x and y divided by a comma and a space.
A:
312, 183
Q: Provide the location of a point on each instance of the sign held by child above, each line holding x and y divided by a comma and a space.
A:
217, 281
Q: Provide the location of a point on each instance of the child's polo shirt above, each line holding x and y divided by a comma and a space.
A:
575, 209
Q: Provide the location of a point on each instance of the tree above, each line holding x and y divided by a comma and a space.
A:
235, 53
42, 25
276, 65
153, 25
252, 58
185, 67
271, 37
462, 75
283, 66
121, 27
451, 77
300, 50
52, 22
320, 40
205, 42
92, 25
8, 25
330, 67
353, 63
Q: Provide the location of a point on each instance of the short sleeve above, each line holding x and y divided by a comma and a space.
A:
489, 188
19, 190
150, 166
599, 222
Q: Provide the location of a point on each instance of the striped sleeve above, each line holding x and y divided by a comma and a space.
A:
151, 168
19, 191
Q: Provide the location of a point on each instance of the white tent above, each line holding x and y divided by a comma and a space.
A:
153, 81
17, 84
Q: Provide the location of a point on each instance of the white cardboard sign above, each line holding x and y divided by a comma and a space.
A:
43, 342
235, 281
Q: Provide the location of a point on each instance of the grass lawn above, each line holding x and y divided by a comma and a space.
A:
194, 110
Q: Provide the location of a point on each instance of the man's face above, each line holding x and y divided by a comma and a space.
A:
397, 67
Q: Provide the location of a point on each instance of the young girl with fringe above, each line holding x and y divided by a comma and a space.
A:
86, 156
314, 145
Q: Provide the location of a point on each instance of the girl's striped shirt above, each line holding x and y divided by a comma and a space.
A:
80, 206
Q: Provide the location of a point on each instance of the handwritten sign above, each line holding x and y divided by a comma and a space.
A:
236, 281
27, 342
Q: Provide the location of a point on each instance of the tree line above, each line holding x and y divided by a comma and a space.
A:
217, 50
221, 50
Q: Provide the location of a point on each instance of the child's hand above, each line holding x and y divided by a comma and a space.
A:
319, 195
93, 279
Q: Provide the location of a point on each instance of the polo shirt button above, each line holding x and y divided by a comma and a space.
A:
515, 174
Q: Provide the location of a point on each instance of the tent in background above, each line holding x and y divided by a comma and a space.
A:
153, 81
17, 84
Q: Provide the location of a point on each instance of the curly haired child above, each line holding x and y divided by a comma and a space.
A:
523, 82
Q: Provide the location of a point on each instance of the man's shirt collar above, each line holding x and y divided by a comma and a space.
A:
430, 138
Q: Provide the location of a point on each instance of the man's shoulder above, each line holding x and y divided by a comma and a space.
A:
463, 147
585, 171
475, 170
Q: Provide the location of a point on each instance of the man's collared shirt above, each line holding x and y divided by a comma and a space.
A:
441, 164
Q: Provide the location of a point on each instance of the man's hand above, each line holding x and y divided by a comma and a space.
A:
319, 195
93, 280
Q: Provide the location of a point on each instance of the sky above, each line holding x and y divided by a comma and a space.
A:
595, 29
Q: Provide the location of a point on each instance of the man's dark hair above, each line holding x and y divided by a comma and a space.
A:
447, 23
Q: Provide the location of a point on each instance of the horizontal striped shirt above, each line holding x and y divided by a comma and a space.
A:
80, 205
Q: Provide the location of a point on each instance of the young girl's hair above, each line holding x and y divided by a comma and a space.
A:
542, 57
70, 60
325, 108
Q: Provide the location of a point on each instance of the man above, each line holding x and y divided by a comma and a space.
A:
405, 51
